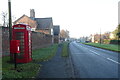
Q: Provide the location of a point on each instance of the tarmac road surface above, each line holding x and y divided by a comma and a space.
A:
91, 62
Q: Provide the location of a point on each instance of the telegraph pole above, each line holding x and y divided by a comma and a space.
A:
10, 24
100, 35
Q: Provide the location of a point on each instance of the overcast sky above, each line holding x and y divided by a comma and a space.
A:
80, 17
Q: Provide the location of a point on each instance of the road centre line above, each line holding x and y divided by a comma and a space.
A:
94, 52
82, 46
90, 50
99, 54
107, 58
79, 53
113, 60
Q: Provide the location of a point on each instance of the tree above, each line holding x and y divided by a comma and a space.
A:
4, 18
116, 32
64, 34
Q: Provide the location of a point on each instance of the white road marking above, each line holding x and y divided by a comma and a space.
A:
95, 52
98, 54
82, 47
90, 50
79, 53
113, 60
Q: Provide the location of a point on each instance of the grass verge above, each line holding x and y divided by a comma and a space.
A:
111, 47
65, 52
44, 54
29, 70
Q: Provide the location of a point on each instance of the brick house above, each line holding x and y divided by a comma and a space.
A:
26, 20
44, 25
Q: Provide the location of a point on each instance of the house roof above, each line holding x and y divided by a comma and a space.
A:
44, 23
20, 18
56, 29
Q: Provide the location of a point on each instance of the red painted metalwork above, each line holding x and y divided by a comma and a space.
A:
22, 32
15, 46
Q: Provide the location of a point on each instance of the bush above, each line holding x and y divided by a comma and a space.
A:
115, 42
106, 41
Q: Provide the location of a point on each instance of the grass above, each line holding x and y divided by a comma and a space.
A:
29, 70
65, 52
44, 54
111, 47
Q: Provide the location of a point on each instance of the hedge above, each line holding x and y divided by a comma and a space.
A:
115, 42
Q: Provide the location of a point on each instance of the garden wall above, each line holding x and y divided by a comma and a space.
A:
39, 40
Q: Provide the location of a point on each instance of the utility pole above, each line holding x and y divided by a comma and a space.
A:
10, 24
100, 35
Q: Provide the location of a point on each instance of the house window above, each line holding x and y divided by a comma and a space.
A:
51, 31
33, 29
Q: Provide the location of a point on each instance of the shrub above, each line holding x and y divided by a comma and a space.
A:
106, 41
115, 42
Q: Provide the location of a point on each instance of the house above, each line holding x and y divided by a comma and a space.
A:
84, 39
44, 25
112, 36
26, 20
95, 38
56, 32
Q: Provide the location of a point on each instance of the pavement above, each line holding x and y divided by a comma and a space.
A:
57, 67
91, 62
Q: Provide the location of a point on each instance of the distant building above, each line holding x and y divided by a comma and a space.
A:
93, 39
82, 39
56, 32
112, 36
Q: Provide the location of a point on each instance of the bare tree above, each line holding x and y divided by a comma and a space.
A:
4, 18
13, 18
64, 34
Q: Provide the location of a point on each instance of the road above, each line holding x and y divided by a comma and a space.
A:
91, 62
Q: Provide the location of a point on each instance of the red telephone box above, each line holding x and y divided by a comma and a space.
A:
22, 32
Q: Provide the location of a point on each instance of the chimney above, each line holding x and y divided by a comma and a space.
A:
32, 13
